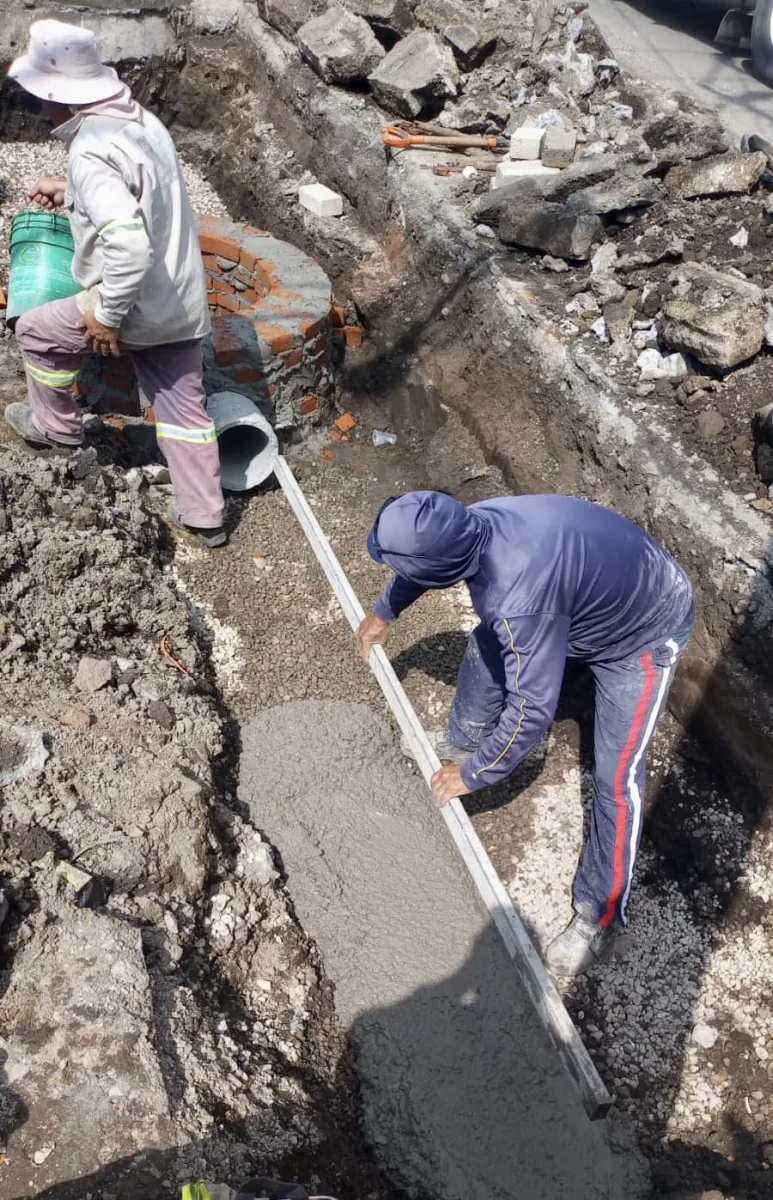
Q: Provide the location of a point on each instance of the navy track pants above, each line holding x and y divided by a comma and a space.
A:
630, 697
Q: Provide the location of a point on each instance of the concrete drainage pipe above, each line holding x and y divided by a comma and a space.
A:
248, 445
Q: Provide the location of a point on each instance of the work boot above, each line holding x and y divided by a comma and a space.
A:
21, 420
209, 538
441, 743
582, 944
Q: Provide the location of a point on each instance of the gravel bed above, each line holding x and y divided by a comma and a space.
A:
25, 162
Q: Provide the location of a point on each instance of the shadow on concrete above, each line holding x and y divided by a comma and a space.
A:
478, 1108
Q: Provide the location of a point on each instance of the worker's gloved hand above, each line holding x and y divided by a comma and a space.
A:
104, 338
372, 632
48, 192
447, 784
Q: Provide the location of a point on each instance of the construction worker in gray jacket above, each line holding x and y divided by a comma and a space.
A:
138, 261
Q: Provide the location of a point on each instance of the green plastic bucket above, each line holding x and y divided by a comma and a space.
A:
41, 262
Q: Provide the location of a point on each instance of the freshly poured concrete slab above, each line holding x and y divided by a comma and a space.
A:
464, 1098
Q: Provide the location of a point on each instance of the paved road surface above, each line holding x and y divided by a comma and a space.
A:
664, 41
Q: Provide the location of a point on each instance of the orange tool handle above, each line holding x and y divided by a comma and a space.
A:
398, 138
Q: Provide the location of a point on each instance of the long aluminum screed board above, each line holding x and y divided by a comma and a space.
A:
544, 996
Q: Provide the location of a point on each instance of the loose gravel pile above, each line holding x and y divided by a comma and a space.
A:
22, 163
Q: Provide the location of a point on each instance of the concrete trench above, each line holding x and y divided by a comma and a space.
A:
429, 360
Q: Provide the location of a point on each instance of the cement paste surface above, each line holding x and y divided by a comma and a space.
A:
464, 1098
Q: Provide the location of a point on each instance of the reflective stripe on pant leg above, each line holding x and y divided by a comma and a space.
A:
52, 379
171, 377
53, 345
178, 433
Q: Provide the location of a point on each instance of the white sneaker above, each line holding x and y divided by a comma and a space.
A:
445, 749
580, 947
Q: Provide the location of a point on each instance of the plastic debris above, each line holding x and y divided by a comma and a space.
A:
382, 438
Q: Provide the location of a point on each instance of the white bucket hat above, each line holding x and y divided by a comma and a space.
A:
62, 64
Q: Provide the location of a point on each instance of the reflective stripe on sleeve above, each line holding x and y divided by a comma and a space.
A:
178, 433
135, 225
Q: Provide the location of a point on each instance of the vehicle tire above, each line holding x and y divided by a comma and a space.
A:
762, 41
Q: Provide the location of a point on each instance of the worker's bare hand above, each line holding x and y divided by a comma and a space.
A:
372, 632
48, 192
104, 338
447, 785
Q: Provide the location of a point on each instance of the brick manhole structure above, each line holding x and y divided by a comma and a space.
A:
271, 329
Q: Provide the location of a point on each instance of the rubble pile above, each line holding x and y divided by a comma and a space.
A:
155, 990
596, 163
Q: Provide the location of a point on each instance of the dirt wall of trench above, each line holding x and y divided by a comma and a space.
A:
255, 126
258, 120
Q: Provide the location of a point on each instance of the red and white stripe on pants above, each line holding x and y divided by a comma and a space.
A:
630, 697
54, 347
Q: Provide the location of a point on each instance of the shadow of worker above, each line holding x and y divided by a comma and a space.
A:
13, 1113
465, 1098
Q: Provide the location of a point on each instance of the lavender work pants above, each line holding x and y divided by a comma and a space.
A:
54, 347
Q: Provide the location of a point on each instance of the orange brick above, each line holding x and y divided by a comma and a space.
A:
120, 404
227, 289
293, 358
247, 375
352, 336
346, 423
248, 260
265, 271
278, 339
309, 404
227, 302
210, 262
338, 316
225, 247
118, 381
253, 297
320, 345
228, 357
311, 329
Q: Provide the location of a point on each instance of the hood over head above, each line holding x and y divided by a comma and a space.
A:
429, 538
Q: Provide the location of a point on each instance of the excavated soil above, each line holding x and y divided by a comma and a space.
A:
166, 1018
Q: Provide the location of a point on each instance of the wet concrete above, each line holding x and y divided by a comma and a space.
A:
463, 1095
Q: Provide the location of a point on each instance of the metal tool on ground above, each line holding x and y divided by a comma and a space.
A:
535, 978
401, 139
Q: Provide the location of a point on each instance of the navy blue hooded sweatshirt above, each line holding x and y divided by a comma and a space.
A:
553, 577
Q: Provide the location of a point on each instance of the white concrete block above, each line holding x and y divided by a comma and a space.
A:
320, 200
526, 142
506, 172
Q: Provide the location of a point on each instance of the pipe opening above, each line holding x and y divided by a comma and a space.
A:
244, 449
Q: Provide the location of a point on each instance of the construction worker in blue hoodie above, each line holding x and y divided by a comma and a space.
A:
551, 578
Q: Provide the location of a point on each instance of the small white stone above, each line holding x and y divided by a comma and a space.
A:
704, 1035
741, 239
469, 172
40, 1156
320, 200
